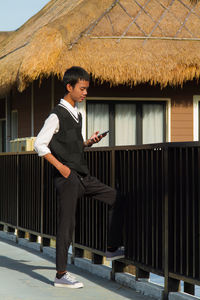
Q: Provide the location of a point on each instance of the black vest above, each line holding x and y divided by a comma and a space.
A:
67, 144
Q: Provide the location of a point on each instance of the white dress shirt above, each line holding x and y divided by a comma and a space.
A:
51, 126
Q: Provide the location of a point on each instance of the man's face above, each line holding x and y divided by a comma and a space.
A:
79, 91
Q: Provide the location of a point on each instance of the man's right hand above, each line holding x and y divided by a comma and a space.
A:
64, 171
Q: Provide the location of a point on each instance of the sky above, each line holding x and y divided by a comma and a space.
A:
14, 13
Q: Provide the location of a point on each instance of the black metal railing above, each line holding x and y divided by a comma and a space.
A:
140, 178
184, 212
160, 188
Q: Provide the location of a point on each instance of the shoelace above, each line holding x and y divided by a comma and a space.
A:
68, 276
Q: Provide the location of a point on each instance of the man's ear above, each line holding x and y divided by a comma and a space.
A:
69, 87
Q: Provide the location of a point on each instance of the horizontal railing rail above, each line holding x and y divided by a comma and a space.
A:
159, 185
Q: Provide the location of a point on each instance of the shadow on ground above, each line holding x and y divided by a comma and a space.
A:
27, 267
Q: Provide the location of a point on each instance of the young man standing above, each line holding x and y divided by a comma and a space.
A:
61, 143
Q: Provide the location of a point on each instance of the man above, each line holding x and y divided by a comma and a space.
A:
61, 143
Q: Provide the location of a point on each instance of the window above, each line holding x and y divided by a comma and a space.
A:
125, 124
152, 123
98, 119
129, 122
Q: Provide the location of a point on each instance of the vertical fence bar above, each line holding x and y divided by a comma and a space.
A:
198, 211
157, 205
152, 210
164, 184
147, 211
112, 166
171, 284
176, 208
193, 227
142, 199
166, 246
182, 199
187, 211
43, 240
17, 197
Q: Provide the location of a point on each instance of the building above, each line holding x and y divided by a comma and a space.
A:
144, 60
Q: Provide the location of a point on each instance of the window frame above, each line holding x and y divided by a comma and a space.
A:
12, 125
138, 101
3, 146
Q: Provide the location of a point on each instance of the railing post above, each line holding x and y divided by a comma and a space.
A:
171, 284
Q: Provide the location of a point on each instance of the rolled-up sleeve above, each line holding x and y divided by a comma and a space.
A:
51, 126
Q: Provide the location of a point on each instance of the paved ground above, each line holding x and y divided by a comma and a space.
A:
28, 275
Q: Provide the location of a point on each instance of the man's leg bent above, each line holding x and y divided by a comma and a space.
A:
108, 195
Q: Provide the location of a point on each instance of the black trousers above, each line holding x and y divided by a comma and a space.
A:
68, 191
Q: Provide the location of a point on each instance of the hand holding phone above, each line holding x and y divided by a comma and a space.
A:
99, 137
103, 134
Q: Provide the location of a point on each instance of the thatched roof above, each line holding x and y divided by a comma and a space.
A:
120, 41
4, 35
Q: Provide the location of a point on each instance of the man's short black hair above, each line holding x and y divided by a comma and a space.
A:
73, 75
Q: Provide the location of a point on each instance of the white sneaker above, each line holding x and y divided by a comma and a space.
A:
67, 280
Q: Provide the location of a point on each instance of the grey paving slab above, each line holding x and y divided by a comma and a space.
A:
28, 275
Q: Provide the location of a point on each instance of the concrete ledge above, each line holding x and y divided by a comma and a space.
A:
99, 270
149, 289
49, 251
142, 286
181, 296
126, 279
8, 236
23, 242
28, 244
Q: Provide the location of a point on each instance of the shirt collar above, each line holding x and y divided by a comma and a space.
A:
68, 106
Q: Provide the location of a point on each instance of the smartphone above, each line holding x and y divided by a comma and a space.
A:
103, 133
